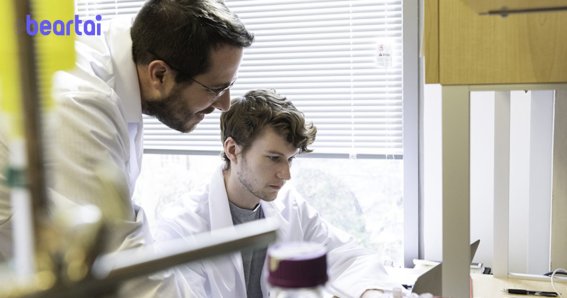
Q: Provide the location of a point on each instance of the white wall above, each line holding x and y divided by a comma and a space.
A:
482, 174
431, 173
559, 241
540, 169
530, 165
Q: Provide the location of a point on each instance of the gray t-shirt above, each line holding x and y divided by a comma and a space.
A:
252, 259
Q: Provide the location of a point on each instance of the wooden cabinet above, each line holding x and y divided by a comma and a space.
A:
463, 47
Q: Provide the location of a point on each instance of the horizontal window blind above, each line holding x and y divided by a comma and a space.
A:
107, 8
340, 62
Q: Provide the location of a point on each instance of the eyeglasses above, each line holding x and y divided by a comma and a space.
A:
215, 92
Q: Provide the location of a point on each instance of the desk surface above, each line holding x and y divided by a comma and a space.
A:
487, 286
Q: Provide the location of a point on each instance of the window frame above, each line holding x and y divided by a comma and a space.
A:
411, 142
410, 126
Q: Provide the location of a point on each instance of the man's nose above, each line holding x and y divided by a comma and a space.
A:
223, 102
284, 173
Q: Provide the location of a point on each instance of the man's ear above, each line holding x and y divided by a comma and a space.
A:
160, 75
231, 149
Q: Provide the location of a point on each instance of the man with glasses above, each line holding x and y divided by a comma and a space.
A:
176, 62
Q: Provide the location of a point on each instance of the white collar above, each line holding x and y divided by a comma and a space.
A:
126, 77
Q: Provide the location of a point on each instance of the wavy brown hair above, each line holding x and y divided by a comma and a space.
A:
257, 109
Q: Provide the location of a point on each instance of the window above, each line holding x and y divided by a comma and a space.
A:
340, 62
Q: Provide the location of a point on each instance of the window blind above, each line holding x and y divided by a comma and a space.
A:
107, 8
338, 61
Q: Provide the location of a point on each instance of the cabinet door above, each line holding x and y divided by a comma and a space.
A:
463, 47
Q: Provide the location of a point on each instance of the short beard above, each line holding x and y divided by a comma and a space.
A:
246, 180
168, 111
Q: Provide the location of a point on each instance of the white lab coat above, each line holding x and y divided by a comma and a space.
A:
352, 269
96, 126
96, 141
5, 209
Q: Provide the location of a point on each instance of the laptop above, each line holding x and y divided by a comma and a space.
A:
430, 281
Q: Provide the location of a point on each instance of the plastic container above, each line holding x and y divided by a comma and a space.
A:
297, 270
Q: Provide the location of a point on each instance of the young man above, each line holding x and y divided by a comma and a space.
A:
176, 61
262, 133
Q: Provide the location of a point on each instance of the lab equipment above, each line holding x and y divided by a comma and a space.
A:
297, 269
